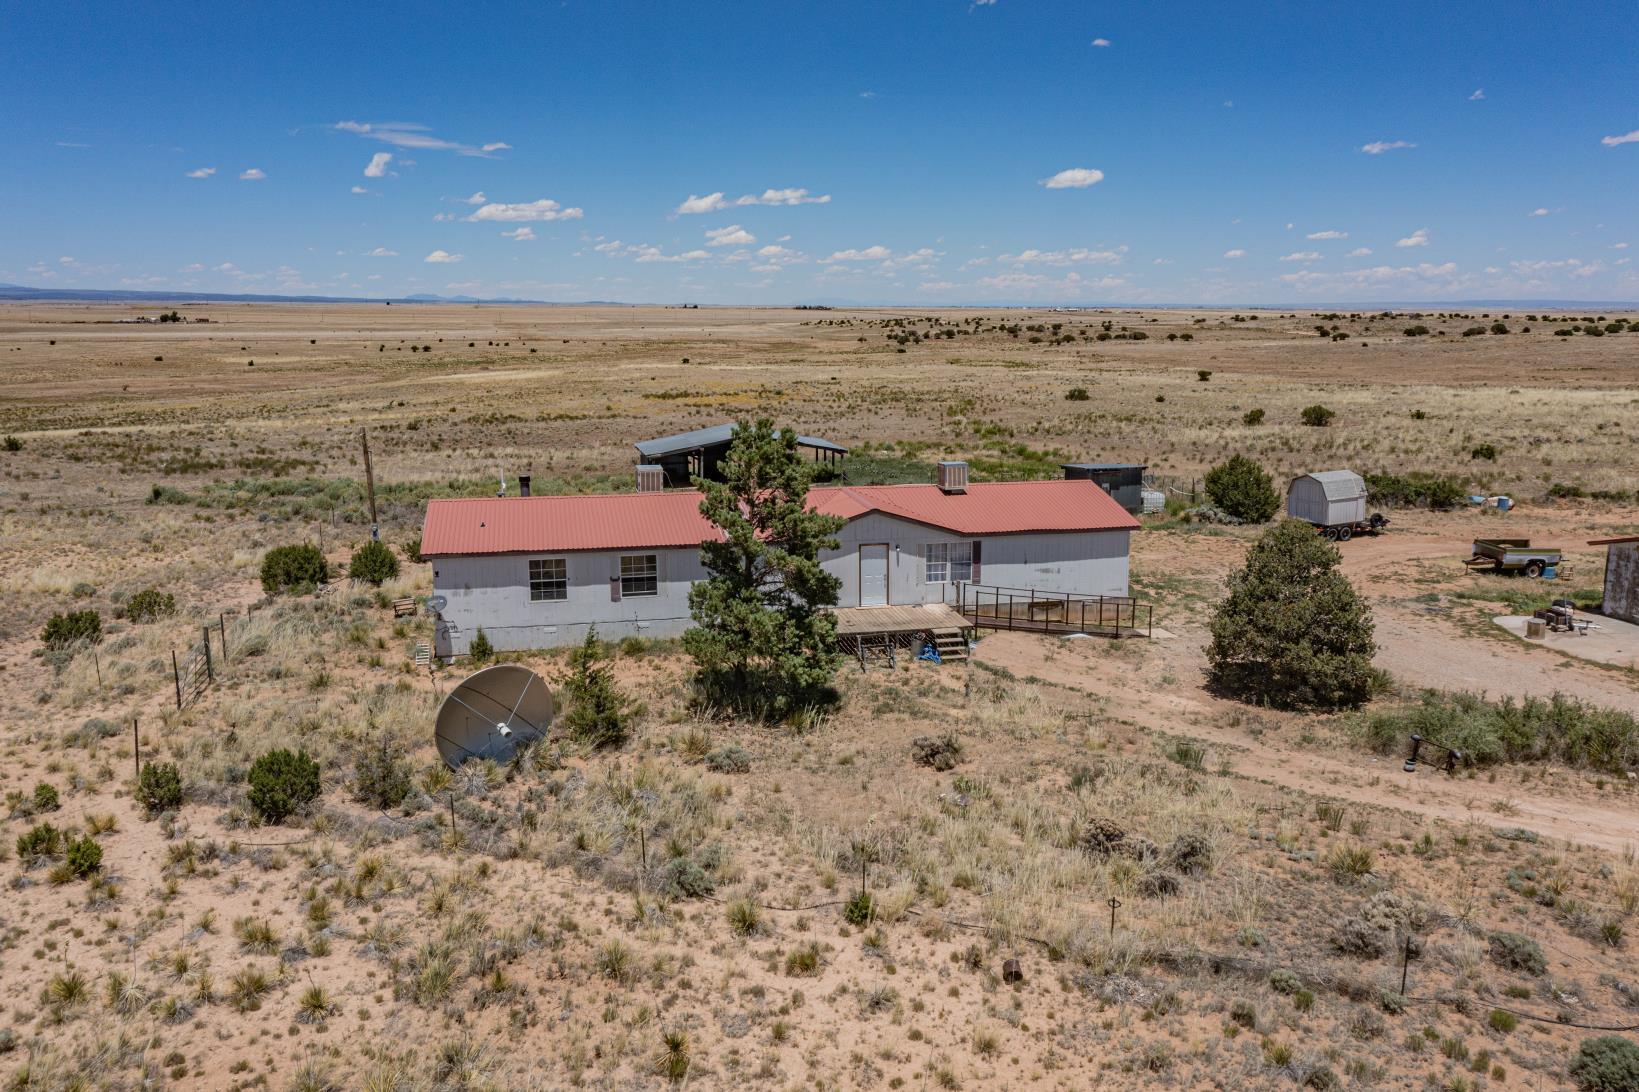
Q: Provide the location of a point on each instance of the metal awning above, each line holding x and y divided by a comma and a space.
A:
685, 442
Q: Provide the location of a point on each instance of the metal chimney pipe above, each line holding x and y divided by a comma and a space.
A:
523, 485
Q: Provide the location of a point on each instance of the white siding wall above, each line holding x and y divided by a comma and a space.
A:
1093, 563
493, 592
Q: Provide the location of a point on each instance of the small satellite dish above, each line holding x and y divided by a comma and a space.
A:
491, 713
436, 603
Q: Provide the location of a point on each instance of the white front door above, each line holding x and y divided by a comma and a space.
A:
873, 575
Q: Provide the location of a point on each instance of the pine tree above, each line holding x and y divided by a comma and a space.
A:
599, 714
1243, 489
762, 643
1293, 633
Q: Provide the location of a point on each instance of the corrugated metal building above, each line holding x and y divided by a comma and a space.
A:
1123, 481
1327, 498
1621, 577
689, 455
536, 572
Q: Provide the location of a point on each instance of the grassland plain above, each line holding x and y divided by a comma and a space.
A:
613, 919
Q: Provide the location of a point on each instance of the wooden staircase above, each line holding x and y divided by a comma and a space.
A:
952, 647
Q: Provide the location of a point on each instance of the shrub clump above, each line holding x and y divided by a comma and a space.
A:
1076, 394
937, 752
731, 759
1293, 633
1417, 489
1518, 953
381, 776
45, 797
1243, 489
1531, 729
373, 563
479, 649
1190, 853
63, 630
1318, 416
159, 788
1608, 1063
40, 842
292, 568
1252, 417
281, 783
600, 714
84, 857
150, 605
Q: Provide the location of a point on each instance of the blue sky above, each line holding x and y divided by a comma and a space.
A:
929, 151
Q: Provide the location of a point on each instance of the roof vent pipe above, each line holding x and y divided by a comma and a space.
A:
523, 485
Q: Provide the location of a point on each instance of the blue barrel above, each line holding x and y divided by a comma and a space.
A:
1551, 573
1504, 503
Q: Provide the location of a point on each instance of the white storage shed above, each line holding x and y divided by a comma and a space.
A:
1327, 498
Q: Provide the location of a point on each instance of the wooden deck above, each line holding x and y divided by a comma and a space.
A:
857, 621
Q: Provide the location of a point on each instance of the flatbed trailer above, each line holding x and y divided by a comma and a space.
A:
1512, 555
1343, 532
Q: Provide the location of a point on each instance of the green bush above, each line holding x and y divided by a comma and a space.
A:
12, 443
860, 910
159, 788
373, 563
1531, 729
381, 776
1484, 451
288, 568
1517, 953
1317, 416
1503, 1021
412, 549
84, 856
45, 797
1243, 489
1417, 489
1608, 1063
63, 630
150, 604
282, 782
731, 759
599, 715
479, 649
1293, 632
1252, 417
1077, 394
38, 843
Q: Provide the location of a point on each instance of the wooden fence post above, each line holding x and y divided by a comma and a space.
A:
222, 626
210, 672
136, 750
177, 675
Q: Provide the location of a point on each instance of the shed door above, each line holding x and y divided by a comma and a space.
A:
873, 575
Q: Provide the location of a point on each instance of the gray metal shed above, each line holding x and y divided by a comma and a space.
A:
1123, 481
1621, 577
1327, 498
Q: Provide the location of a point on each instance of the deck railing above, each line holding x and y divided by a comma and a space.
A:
991, 607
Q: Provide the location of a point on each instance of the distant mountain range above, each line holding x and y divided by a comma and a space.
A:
118, 295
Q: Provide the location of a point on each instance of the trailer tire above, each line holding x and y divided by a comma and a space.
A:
1533, 569
1330, 533
1344, 534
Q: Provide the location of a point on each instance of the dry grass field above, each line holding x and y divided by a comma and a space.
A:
674, 909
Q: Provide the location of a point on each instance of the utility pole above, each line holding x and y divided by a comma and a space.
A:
370, 483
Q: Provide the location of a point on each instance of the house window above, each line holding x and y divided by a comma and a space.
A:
639, 575
548, 580
948, 562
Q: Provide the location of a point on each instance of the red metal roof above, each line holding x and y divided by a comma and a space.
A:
1624, 539
987, 508
607, 521
628, 521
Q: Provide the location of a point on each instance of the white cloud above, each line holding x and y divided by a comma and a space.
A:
442, 217
1619, 246
1064, 257
1360, 252
496, 146
200, 172
1538, 212
521, 234
1101, 42
194, 268
611, 248
544, 209
1378, 147
254, 174
716, 202
383, 252
869, 254
1074, 178
1416, 238
1423, 276
377, 167
733, 235
1625, 138
442, 257
1302, 256
1235, 253
409, 135
476, 199
1479, 94
654, 254
1328, 235
359, 189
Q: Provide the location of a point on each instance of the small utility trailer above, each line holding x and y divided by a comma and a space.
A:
1343, 532
1512, 555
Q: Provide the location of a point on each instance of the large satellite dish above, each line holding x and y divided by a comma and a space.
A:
491, 713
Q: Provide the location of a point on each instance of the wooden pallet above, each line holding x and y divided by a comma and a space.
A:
950, 644
423, 654
405, 607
